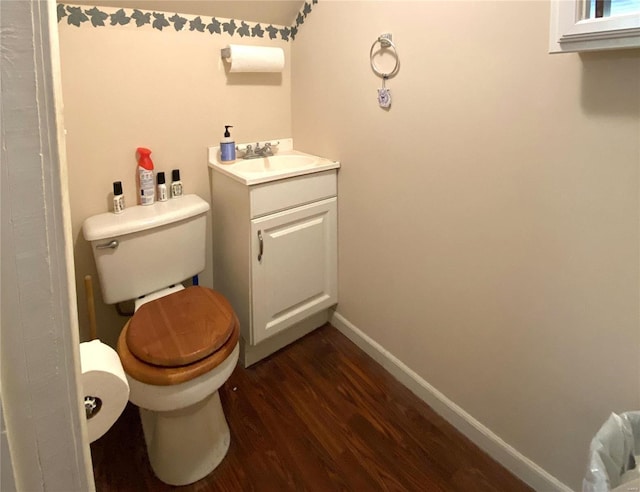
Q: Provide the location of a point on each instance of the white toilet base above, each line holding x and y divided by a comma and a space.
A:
184, 443
187, 444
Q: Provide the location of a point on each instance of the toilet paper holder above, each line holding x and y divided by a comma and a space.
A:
92, 405
105, 388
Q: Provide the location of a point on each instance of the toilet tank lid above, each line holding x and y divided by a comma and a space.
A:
142, 217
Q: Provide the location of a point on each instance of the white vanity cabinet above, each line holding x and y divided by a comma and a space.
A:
275, 256
293, 266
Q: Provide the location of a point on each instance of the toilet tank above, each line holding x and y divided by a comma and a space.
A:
147, 248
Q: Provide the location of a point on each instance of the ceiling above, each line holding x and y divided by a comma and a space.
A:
280, 12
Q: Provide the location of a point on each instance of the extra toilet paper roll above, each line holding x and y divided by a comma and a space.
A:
104, 386
255, 58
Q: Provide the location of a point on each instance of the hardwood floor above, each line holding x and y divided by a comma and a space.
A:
320, 415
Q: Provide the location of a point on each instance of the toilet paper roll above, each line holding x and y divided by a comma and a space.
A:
255, 58
104, 386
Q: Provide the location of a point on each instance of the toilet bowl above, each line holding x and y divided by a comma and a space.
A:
177, 350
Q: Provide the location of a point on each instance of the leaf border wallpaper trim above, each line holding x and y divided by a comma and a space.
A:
79, 15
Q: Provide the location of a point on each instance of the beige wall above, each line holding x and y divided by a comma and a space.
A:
126, 87
488, 223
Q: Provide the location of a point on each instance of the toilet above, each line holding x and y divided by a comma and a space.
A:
181, 344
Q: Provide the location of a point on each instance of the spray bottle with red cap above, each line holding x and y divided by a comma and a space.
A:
146, 183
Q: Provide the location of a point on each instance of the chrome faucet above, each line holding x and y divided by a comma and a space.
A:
254, 153
265, 151
249, 153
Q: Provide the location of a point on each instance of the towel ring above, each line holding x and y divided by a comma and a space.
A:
384, 43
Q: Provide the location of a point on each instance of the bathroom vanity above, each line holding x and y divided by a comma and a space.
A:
275, 244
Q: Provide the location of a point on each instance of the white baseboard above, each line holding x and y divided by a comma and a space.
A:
490, 443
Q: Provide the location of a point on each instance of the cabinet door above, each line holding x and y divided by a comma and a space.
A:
294, 266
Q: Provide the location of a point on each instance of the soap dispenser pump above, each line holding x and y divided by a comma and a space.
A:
227, 146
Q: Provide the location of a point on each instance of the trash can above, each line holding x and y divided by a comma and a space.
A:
614, 456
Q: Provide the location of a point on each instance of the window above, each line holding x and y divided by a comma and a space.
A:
609, 8
586, 25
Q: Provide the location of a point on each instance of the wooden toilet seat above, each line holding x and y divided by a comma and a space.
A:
178, 337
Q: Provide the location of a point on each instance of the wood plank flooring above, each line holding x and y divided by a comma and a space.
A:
320, 415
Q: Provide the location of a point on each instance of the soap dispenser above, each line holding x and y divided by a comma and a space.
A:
227, 146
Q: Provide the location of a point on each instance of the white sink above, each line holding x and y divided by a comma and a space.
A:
285, 163
276, 163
